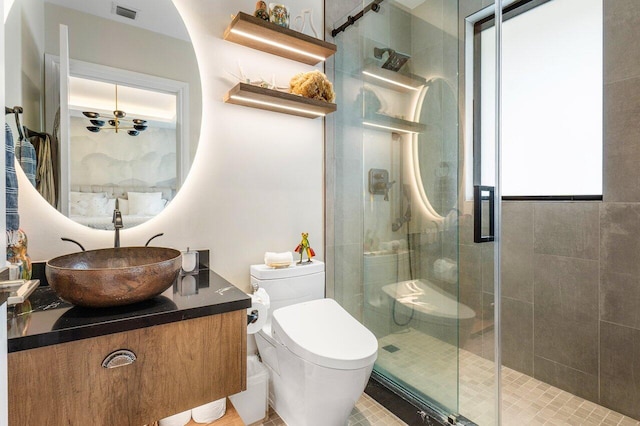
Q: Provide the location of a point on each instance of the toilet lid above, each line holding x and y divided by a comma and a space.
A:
323, 333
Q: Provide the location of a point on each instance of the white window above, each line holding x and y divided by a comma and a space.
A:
552, 86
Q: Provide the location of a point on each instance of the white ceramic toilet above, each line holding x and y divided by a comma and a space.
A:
319, 357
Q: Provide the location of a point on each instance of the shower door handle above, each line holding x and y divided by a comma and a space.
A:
483, 193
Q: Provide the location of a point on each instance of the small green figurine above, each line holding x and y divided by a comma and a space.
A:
304, 246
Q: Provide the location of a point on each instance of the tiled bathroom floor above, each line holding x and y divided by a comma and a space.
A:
367, 412
425, 361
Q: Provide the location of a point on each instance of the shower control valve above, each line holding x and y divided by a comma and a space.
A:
379, 182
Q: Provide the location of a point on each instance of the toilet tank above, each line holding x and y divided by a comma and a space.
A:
287, 286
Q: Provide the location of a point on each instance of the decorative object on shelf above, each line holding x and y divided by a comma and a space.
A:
255, 33
133, 126
300, 22
279, 14
261, 11
17, 252
304, 247
243, 78
313, 85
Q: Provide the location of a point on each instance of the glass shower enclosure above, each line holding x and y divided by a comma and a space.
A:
396, 207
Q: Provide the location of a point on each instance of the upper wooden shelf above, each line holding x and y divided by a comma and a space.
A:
259, 34
274, 100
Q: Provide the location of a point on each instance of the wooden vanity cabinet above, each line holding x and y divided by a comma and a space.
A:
179, 365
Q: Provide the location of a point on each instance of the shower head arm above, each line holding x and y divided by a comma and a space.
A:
379, 51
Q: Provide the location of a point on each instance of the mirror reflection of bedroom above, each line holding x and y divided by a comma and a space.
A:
126, 133
131, 160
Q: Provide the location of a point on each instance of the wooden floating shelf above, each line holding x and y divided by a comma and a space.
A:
392, 80
274, 100
259, 34
392, 124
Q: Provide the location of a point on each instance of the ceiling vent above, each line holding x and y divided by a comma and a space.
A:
125, 11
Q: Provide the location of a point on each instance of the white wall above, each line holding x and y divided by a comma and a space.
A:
23, 56
257, 179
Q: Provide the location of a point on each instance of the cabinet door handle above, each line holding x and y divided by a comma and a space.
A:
119, 358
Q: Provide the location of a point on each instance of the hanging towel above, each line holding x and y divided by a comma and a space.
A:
26, 155
13, 219
45, 183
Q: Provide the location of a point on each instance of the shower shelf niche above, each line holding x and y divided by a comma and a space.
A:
276, 101
259, 34
392, 124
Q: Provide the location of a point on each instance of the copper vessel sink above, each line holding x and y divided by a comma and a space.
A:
113, 276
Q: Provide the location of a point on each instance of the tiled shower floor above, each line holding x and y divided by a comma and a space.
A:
430, 365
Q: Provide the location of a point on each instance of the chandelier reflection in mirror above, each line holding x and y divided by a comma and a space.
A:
119, 122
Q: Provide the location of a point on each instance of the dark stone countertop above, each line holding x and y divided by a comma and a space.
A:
46, 320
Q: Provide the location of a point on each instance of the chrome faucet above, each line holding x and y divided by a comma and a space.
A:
117, 224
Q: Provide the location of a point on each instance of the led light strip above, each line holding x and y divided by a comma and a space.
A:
278, 106
276, 44
406, 86
380, 126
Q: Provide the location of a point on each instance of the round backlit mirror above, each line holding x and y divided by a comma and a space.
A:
126, 133
436, 149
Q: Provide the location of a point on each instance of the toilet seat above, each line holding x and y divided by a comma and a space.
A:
323, 333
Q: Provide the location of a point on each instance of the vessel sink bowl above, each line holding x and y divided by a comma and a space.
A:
113, 277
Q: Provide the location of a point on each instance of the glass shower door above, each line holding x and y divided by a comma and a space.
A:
399, 221
396, 159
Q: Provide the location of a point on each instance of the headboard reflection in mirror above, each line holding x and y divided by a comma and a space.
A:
126, 129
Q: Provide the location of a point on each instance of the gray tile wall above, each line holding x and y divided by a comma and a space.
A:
619, 303
571, 271
570, 296
550, 291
